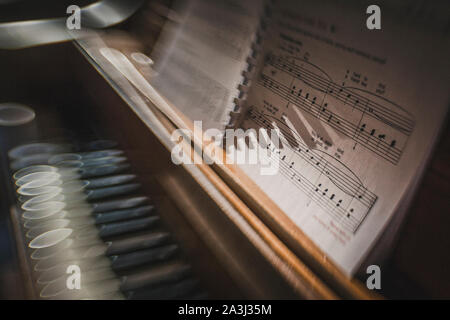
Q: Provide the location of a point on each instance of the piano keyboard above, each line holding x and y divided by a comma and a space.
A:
81, 211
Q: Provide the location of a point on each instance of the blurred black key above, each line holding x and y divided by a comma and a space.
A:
164, 274
118, 204
118, 228
141, 257
125, 214
136, 243
169, 291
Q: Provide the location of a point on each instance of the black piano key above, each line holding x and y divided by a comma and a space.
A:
141, 257
103, 170
165, 274
118, 228
110, 181
112, 191
98, 162
118, 204
123, 217
168, 291
101, 154
55, 267
136, 243
119, 215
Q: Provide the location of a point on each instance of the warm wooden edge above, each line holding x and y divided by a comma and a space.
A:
278, 246
283, 226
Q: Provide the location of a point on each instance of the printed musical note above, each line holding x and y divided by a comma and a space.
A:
344, 126
344, 182
392, 117
400, 120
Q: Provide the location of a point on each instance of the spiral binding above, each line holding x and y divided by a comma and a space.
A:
249, 72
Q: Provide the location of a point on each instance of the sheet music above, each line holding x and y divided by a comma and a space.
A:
200, 58
358, 112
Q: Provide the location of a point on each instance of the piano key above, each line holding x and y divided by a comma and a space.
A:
32, 169
134, 259
161, 275
37, 148
99, 161
45, 253
55, 267
53, 272
51, 265
113, 216
112, 191
57, 158
101, 281
59, 286
73, 193
110, 181
118, 228
31, 160
52, 238
83, 218
118, 204
167, 273
103, 170
136, 242
101, 153
169, 291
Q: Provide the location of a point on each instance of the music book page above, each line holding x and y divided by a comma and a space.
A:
200, 57
357, 111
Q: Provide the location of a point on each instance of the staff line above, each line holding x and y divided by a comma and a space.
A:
324, 83
391, 153
345, 179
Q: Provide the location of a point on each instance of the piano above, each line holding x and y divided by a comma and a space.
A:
88, 183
